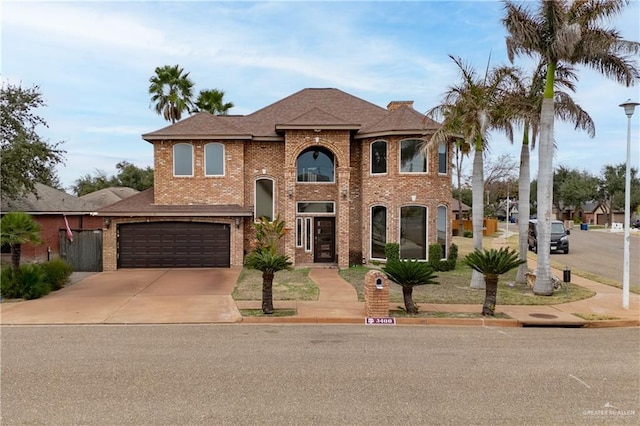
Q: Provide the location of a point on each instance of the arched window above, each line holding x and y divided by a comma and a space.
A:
182, 159
443, 219
413, 232
442, 158
378, 231
411, 158
316, 164
214, 159
378, 157
264, 198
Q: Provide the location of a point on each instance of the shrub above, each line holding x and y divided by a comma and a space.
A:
57, 273
435, 255
392, 251
8, 285
467, 234
32, 282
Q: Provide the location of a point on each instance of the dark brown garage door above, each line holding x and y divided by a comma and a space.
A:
173, 245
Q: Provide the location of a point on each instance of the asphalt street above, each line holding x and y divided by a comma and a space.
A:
318, 375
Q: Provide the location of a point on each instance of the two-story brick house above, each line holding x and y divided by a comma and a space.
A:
345, 175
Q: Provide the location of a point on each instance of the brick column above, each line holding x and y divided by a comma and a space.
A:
343, 224
376, 294
289, 215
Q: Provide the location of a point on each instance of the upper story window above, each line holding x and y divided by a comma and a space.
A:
264, 199
442, 158
316, 164
379, 157
214, 159
411, 158
183, 159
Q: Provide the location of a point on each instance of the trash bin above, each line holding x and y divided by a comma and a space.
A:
584, 226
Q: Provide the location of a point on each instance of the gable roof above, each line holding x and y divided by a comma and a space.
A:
48, 200
107, 196
306, 109
143, 204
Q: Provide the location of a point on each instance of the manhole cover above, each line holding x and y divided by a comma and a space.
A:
547, 316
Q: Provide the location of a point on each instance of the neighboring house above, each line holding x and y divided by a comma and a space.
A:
345, 175
107, 196
49, 207
593, 213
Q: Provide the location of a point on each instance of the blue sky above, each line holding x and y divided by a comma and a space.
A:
92, 61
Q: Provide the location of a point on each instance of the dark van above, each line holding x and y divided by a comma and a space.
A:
559, 236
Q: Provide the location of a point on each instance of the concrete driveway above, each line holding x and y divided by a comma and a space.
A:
135, 296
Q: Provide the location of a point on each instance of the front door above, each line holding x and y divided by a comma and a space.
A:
324, 249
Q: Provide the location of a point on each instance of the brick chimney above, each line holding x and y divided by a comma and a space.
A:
394, 105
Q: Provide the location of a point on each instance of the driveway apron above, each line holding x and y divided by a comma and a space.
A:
135, 296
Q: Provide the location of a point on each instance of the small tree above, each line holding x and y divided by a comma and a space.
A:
18, 228
408, 274
265, 257
492, 263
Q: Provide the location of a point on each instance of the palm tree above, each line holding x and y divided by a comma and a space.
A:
527, 102
17, 228
171, 91
571, 33
471, 109
492, 263
409, 274
212, 101
265, 257
268, 261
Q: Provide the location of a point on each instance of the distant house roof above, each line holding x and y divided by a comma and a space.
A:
455, 206
321, 109
48, 200
107, 196
142, 204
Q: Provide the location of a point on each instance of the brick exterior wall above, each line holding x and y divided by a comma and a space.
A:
51, 226
395, 190
246, 161
199, 189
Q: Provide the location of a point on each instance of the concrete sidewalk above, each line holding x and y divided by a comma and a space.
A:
204, 296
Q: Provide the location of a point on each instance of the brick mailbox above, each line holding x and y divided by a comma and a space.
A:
376, 294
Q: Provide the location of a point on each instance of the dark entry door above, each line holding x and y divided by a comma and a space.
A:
324, 249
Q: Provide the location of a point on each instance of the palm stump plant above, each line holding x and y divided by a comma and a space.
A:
409, 274
492, 263
18, 228
265, 257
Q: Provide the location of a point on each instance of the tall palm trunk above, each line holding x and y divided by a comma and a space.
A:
543, 285
407, 294
477, 188
490, 295
459, 177
16, 252
524, 203
267, 292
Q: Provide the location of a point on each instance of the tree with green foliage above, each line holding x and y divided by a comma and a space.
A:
471, 109
611, 186
528, 103
27, 159
212, 101
265, 257
573, 188
491, 264
409, 274
17, 228
561, 32
171, 92
128, 175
